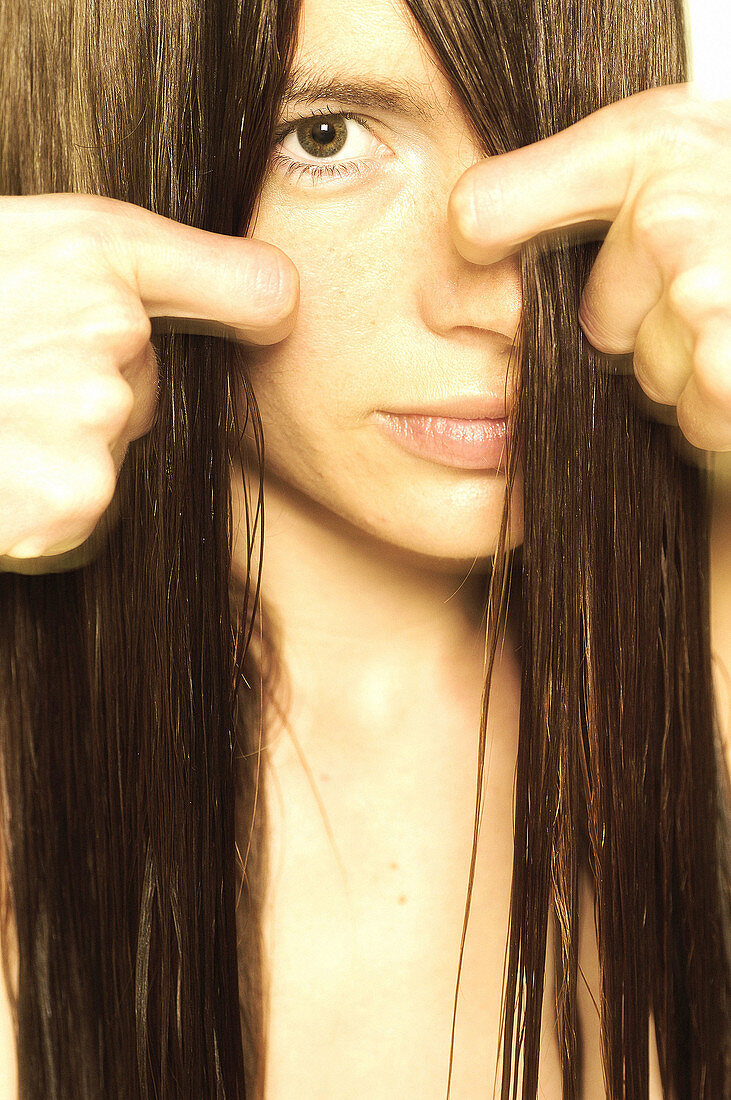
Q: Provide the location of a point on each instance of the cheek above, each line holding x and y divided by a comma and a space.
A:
357, 259
346, 340
359, 337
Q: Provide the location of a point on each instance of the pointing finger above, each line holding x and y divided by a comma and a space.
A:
577, 177
180, 271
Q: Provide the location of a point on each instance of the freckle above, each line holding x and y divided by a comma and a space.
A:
394, 866
402, 899
324, 777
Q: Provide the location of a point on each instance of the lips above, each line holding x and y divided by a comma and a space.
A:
469, 407
467, 443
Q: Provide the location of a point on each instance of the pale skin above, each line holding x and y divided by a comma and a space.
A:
428, 240
368, 583
429, 249
385, 286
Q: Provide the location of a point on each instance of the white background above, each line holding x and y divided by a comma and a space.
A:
710, 46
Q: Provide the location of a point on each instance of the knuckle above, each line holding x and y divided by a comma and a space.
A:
62, 214
106, 401
69, 505
89, 217
79, 202
664, 209
150, 390
649, 213
712, 363
76, 231
144, 378
138, 327
89, 234
647, 381
119, 325
681, 127
682, 135
683, 296
698, 292
81, 499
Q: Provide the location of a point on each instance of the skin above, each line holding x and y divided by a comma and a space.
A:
373, 773
375, 559
82, 279
657, 166
410, 290
390, 316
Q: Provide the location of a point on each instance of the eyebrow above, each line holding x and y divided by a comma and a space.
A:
397, 96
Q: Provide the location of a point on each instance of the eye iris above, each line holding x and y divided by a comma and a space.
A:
322, 137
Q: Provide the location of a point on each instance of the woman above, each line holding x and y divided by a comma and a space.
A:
137, 785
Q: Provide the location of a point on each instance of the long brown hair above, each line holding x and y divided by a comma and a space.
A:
131, 688
117, 679
619, 745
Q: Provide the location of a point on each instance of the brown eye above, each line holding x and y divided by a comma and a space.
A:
322, 136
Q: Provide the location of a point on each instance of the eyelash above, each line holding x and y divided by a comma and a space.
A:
318, 171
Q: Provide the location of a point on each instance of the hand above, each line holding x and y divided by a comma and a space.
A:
657, 165
80, 278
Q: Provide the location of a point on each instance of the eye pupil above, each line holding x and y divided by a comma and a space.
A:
323, 137
321, 132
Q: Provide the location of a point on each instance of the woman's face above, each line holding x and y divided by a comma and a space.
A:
391, 317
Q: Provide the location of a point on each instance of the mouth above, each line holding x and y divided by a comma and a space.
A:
464, 442
490, 406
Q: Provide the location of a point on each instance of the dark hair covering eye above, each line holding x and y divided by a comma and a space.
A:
132, 681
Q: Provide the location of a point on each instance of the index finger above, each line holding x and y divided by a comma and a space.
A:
577, 177
180, 271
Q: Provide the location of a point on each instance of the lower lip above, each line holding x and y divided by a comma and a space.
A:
463, 444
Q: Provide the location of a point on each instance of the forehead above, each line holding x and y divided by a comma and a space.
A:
367, 39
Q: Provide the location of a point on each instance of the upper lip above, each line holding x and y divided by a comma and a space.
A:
470, 407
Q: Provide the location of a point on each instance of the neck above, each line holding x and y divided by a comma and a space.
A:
372, 638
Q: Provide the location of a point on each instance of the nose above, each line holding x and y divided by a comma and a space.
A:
454, 294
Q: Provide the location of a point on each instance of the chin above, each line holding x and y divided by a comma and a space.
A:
450, 533
448, 528
443, 523
443, 551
